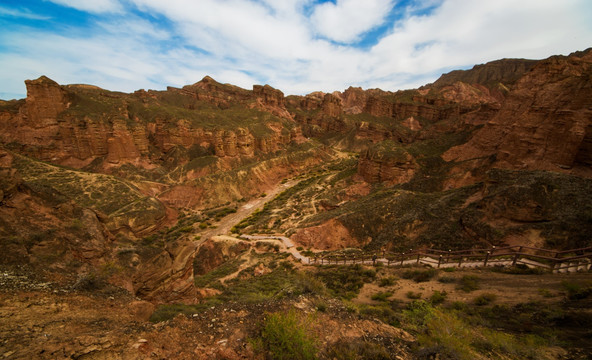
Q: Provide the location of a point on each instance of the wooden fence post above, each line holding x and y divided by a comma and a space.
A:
402, 258
459, 261
439, 261
486, 259
515, 259
448, 257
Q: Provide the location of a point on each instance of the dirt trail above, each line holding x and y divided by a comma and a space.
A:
244, 211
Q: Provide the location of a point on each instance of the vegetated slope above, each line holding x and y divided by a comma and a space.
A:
376, 168
421, 195
104, 193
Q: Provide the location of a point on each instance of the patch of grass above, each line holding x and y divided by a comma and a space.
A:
278, 284
221, 271
381, 296
383, 311
346, 281
166, 312
287, 336
448, 335
468, 283
419, 275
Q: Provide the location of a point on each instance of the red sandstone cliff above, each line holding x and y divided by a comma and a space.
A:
544, 123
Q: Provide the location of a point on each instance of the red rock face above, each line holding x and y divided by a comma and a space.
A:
376, 166
45, 100
545, 121
331, 105
354, 100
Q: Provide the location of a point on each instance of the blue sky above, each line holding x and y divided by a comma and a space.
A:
297, 46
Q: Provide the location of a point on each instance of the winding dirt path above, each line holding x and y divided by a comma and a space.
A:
244, 211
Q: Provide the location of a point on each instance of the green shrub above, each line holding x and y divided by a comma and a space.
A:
420, 275
446, 279
577, 291
546, 293
287, 336
382, 296
438, 297
449, 333
90, 282
518, 269
468, 283
413, 295
484, 299
383, 312
346, 281
387, 281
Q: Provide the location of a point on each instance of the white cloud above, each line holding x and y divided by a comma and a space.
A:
21, 13
93, 6
244, 42
346, 20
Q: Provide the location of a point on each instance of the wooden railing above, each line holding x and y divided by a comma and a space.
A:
558, 261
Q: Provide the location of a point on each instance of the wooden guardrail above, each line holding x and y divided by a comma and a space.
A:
557, 261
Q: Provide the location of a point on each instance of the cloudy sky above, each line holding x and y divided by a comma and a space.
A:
298, 46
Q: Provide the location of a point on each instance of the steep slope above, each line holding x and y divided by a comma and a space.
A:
544, 123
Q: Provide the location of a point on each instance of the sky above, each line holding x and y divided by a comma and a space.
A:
297, 46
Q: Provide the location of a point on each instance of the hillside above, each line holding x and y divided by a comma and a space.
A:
130, 197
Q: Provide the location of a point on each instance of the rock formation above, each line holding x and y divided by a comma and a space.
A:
545, 121
393, 166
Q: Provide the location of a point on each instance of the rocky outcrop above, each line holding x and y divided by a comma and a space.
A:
215, 252
386, 163
544, 122
169, 275
271, 100
331, 105
331, 235
505, 71
45, 100
354, 100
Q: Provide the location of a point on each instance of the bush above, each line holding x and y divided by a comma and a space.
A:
89, 282
518, 269
382, 296
446, 279
438, 297
577, 291
420, 275
286, 336
387, 281
413, 295
485, 299
468, 283
346, 281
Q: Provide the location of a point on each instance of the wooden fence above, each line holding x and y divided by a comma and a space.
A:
556, 261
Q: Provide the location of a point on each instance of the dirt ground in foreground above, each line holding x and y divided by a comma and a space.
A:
510, 289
